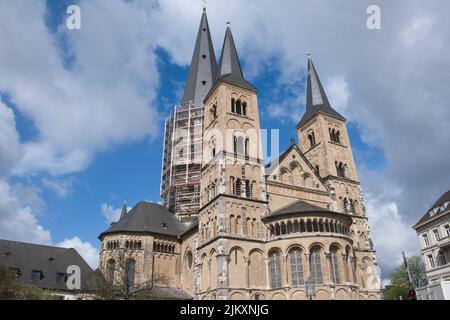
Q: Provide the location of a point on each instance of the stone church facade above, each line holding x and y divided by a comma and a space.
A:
261, 231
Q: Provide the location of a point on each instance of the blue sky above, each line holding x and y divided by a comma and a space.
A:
89, 105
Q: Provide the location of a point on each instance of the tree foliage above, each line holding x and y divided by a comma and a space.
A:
417, 270
399, 279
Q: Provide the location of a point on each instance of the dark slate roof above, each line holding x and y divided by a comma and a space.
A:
229, 69
203, 69
300, 207
148, 217
440, 207
316, 99
49, 260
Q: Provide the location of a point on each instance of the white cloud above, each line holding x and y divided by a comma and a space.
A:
391, 232
85, 249
10, 149
416, 30
62, 187
18, 222
338, 93
102, 98
110, 213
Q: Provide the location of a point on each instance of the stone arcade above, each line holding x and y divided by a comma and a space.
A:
261, 231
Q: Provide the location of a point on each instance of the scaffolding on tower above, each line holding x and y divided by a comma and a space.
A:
182, 161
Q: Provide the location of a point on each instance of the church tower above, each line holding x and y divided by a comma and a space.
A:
324, 140
232, 181
182, 155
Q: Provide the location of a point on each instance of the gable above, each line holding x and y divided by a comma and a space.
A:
293, 169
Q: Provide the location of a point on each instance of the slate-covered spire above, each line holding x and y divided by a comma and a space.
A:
124, 209
203, 69
316, 99
230, 70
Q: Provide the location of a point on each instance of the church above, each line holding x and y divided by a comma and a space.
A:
259, 231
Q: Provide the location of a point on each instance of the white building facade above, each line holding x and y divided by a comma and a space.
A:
433, 231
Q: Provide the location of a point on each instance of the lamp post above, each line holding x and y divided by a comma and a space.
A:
310, 288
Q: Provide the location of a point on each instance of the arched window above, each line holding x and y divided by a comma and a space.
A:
334, 266
131, 269
253, 189
248, 189
233, 104
345, 205
238, 107
275, 270
352, 206
297, 275
189, 259
214, 111
247, 147
338, 137
340, 169
312, 139
244, 108
232, 186
315, 265
111, 267
238, 187
238, 146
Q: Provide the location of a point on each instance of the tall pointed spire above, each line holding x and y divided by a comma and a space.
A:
203, 70
124, 209
230, 70
316, 99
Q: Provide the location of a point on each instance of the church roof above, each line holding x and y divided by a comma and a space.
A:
229, 69
148, 217
316, 99
440, 207
203, 69
28, 257
299, 207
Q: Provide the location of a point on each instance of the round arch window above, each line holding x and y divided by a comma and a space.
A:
189, 259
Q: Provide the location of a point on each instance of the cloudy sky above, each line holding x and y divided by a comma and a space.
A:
81, 111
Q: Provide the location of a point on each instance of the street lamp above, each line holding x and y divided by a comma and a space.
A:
310, 288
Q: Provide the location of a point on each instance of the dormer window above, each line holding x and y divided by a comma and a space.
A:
61, 277
36, 275
165, 226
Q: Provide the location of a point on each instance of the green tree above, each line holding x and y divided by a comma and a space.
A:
399, 279
417, 270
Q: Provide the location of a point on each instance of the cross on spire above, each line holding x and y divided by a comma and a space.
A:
205, 5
